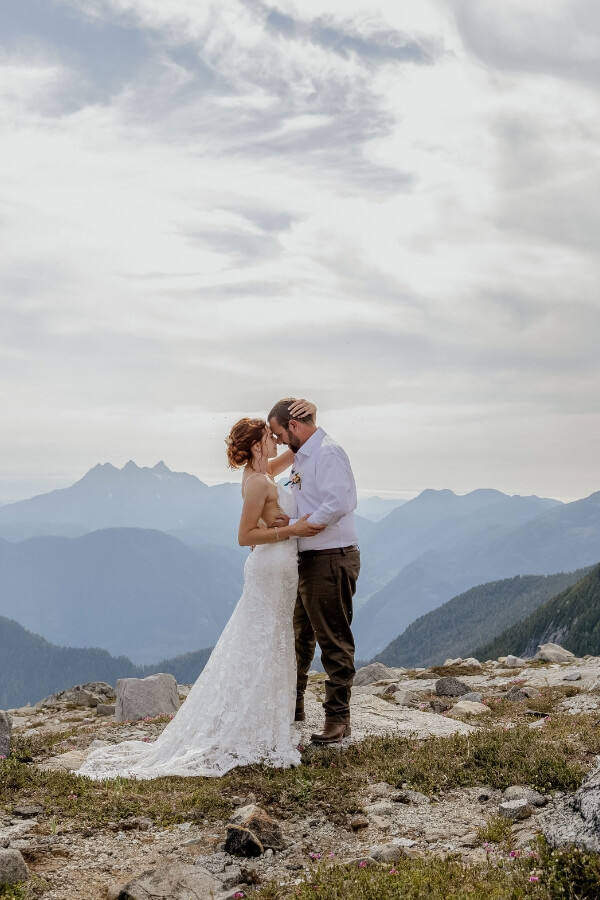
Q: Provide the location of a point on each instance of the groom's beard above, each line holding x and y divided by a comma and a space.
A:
293, 443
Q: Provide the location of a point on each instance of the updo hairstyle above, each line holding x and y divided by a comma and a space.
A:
239, 442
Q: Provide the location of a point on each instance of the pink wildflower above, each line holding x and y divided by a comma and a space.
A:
362, 864
331, 855
534, 877
514, 854
315, 856
239, 894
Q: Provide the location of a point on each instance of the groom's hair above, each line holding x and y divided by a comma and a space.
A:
281, 413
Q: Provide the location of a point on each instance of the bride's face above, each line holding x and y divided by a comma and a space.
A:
269, 444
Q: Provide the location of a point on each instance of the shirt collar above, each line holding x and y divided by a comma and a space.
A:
312, 443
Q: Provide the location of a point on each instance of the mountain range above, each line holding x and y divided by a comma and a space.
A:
572, 619
144, 562
32, 668
459, 626
507, 536
131, 591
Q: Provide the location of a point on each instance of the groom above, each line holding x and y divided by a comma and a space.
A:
323, 485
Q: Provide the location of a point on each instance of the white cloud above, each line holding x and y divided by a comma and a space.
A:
382, 207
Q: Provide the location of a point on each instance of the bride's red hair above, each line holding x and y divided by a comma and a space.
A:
240, 439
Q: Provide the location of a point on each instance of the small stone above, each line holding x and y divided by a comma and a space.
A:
469, 840
241, 842
5, 732
231, 876
516, 693
450, 687
484, 795
391, 689
408, 796
359, 822
372, 673
381, 809
105, 709
360, 861
468, 708
515, 809
379, 789
514, 662
27, 811
440, 705
263, 827
473, 696
572, 676
407, 698
381, 823
521, 792
392, 851
12, 867
554, 653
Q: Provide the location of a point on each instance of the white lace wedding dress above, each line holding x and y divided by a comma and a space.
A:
241, 708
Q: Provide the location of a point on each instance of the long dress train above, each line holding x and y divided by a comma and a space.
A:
241, 708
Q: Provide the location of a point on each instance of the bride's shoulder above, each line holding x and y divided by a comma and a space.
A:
256, 483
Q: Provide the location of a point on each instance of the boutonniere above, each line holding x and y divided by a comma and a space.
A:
295, 478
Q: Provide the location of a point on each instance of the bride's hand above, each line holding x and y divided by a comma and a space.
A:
280, 521
301, 408
304, 528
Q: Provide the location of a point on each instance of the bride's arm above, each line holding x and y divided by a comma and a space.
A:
251, 533
299, 408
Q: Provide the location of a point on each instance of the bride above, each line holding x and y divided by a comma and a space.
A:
241, 708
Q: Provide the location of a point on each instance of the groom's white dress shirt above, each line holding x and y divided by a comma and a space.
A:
326, 490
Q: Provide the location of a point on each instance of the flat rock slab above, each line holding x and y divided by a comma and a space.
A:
66, 762
179, 881
373, 716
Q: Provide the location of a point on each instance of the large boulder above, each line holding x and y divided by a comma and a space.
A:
554, 653
5, 730
12, 867
170, 881
140, 698
373, 673
576, 820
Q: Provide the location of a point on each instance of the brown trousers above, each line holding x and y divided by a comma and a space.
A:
323, 613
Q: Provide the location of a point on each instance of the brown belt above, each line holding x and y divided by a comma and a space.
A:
333, 551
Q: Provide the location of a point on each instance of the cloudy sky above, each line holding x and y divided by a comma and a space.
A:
390, 207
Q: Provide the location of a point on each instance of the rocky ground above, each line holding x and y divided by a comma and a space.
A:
95, 862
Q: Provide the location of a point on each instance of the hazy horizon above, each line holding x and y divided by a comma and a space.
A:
14, 490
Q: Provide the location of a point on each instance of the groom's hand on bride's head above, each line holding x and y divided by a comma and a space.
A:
301, 408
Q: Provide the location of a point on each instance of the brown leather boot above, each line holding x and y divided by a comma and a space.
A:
333, 732
299, 715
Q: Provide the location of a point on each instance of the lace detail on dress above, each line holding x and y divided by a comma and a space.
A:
241, 708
